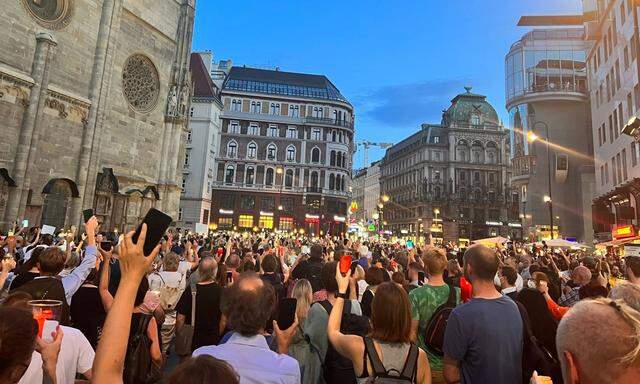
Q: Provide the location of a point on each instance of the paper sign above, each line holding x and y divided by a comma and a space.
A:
631, 250
47, 230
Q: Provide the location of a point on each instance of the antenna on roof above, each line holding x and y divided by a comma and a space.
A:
468, 89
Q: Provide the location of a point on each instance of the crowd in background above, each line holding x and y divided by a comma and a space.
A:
416, 314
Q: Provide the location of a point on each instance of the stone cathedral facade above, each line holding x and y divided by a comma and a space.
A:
94, 96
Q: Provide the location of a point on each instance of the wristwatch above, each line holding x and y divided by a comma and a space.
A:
342, 296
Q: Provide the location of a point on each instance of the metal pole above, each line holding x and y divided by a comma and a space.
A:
549, 179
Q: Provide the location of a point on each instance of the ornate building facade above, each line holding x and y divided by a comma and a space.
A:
450, 180
285, 153
93, 97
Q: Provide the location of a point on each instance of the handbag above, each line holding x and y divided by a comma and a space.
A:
184, 336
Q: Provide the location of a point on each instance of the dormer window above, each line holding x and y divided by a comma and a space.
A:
475, 119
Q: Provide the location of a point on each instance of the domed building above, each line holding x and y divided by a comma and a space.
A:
450, 180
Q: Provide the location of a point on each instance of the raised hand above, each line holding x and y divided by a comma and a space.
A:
133, 262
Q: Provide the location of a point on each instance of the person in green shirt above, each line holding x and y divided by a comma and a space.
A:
426, 299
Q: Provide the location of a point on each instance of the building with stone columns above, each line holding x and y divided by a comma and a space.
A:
450, 180
93, 97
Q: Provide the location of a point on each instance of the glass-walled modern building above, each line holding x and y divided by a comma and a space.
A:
546, 86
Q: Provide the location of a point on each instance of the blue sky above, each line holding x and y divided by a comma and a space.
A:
398, 62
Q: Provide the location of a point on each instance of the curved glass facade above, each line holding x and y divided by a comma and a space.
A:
552, 60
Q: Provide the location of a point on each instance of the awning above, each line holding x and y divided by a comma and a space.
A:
618, 242
489, 241
562, 243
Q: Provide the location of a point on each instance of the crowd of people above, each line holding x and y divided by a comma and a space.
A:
403, 314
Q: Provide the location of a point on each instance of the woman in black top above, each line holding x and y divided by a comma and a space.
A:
374, 276
208, 292
87, 312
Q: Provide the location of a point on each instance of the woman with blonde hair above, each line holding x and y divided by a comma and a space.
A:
300, 347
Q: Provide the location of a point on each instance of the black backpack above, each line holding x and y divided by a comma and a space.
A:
139, 368
434, 333
382, 376
337, 368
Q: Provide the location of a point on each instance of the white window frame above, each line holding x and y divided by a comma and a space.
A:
316, 134
294, 110
254, 129
255, 150
275, 152
273, 131
256, 107
235, 150
236, 105
234, 127
292, 133
291, 149
274, 108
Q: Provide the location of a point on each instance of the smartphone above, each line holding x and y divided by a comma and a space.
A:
420, 277
106, 246
409, 244
286, 312
87, 214
157, 224
354, 265
345, 264
229, 277
25, 223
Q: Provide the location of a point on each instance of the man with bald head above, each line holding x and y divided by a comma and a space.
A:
580, 276
483, 338
598, 341
248, 304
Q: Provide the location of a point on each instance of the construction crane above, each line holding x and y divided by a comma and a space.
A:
368, 144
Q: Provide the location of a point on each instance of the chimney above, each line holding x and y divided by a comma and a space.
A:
207, 57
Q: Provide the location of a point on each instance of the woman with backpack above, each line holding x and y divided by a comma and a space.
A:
143, 361
387, 354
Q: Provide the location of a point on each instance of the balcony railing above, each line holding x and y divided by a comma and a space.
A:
328, 121
278, 188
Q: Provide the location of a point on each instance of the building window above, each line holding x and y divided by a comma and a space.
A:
436, 139
232, 149
316, 134
189, 135
187, 155
288, 178
248, 202
294, 110
292, 133
234, 127
245, 221
225, 222
332, 181
318, 112
315, 155
236, 105
269, 177
256, 107
475, 119
265, 222
254, 129
285, 224
271, 152
291, 153
274, 109
180, 214
250, 176
229, 175
252, 150
634, 154
184, 183
191, 112
314, 180
273, 131
205, 216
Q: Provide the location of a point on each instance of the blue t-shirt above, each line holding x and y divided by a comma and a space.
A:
485, 336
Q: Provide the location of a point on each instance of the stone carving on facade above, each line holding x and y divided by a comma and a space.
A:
57, 105
52, 14
140, 83
184, 99
14, 90
172, 101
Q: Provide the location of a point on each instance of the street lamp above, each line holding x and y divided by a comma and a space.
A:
385, 198
532, 137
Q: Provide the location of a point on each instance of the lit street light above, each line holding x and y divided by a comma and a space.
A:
546, 199
385, 198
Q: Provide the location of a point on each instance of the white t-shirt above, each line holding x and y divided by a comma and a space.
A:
76, 356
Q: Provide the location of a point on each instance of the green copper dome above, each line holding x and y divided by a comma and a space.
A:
470, 109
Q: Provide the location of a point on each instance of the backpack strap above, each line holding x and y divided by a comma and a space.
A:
411, 364
451, 301
143, 324
193, 308
376, 364
326, 305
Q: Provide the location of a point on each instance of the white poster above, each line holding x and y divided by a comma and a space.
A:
47, 230
632, 250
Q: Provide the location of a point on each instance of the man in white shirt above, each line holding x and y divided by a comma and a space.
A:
248, 304
76, 356
169, 284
